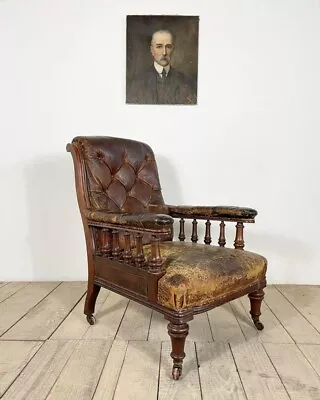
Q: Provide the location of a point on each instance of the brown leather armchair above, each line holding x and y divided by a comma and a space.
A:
130, 247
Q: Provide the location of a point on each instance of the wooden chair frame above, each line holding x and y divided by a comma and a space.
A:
127, 272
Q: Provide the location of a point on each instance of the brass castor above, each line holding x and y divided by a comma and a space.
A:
259, 325
91, 319
176, 373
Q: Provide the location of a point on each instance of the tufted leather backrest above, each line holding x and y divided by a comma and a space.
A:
121, 174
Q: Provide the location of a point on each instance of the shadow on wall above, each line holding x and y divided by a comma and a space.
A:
56, 236
171, 187
169, 181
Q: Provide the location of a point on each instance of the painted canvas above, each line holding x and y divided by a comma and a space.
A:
162, 59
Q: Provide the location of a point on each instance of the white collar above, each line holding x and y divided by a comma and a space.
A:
159, 68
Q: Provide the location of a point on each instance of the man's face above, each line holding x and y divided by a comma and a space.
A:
162, 48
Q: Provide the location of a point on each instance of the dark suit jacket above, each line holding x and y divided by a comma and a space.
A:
144, 89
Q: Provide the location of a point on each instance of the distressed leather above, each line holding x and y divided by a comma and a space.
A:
211, 212
155, 222
198, 274
121, 174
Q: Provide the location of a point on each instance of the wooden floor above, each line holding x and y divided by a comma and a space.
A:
48, 350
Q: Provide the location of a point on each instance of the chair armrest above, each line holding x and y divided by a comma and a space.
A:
227, 213
154, 223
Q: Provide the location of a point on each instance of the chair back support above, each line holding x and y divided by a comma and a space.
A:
121, 175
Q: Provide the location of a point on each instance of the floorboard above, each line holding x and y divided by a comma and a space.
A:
49, 351
296, 373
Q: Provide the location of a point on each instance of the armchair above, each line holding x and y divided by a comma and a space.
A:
130, 241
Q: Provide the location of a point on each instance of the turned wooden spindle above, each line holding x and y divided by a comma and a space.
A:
222, 236
194, 236
127, 253
106, 242
115, 245
140, 259
239, 242
207, 237
182, 235
155, 262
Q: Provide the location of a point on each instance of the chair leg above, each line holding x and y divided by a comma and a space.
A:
178, 334
256, 298
92, 294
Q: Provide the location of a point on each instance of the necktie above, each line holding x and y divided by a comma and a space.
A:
164, 75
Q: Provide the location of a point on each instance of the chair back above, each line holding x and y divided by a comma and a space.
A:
117, 175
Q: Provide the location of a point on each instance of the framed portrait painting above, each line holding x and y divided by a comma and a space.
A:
162, 59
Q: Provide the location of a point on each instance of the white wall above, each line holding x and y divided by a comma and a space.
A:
252, 140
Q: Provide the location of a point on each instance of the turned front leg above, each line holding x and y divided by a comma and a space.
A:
178, 334
256, 298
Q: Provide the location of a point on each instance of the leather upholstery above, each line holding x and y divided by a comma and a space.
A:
198, 274
212, 212
121, 174
155, 222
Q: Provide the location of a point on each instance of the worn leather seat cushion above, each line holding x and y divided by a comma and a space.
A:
198, 274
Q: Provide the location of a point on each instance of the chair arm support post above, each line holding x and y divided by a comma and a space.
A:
194, 235
155, 261
239, 242
115, 244
182, 234
222, 235
106, 242
207, 238
127, 253
140, 258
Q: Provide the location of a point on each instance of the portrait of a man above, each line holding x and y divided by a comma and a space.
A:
162, 59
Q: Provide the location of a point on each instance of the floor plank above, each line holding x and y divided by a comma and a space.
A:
306, 299
11, 288
131, 350
14, 356
296, 373
76, 325
80, 376
135, 323
188, 386
17, 305
224, 325
53, 309
139, 375
218, 375
199, 329
312, 353
295, 324
40, 374
258, 376
158, 328
110, 374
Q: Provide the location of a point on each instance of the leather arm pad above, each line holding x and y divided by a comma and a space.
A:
148, 221
228, 213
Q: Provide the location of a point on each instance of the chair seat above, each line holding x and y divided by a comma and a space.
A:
199, 274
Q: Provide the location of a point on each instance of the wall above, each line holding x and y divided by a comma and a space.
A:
252, 140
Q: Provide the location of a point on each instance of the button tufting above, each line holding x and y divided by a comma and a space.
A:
99, 155
125, 177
